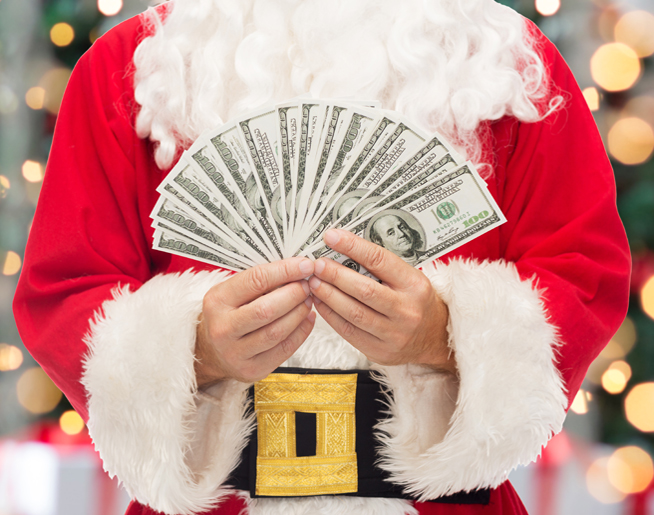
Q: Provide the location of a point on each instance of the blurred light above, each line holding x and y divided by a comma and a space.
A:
591, 95
647, 297
606, 21
630, 469
631, 141
36, 392
639, 407
71, 423
599, 485
32, 171
636, 29
580, 403
93, 35
625, 336
615, 379
62, 34
35, 97
54, 83
110, 7
8, 100
548, 7
11, 357
12, 263
4, 186
615, 67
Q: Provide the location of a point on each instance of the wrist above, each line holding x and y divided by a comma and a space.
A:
207, 369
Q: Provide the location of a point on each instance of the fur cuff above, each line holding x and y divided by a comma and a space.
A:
510, 399
146, 418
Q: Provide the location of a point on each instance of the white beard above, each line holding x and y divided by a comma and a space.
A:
445, 64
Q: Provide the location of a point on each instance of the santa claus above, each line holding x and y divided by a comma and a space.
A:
475, 358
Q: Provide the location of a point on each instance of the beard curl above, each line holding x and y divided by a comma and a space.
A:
447, 65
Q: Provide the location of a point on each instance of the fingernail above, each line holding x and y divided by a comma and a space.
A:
314, 283
306, 267
319, 266
308, 302
317, 301
332, 237
305, 287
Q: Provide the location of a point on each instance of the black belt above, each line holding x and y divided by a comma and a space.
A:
314, 436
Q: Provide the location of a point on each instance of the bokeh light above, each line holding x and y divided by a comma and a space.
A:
630, 469
54, 83
11, 357
36, 391
32, 171
647, 297
615, 67
616, 377
71, 423
110, 7
548, 7
636, 29
591, 95
12, 263
626, 336
62, 34
35, 97
580, 403
607, 21
5, 184
599, 485
8, 100
631, 141
639, 407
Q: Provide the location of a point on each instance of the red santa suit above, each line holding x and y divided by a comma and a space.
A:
112, 321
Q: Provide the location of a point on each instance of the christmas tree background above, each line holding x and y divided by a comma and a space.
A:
609, 46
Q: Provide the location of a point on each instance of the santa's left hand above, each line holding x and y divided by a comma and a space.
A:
402, 320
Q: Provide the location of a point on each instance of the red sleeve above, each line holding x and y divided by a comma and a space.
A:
563, 226
87, 236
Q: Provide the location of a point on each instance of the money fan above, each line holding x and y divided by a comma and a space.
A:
267, 185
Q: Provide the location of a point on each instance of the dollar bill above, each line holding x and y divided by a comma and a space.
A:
430, 222
287, 118
259, 134
179, 245
169, 215
199, 192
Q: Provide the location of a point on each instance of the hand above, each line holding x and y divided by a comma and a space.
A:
253, 322
402, 320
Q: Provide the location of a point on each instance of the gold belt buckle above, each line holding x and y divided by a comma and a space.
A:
333, 470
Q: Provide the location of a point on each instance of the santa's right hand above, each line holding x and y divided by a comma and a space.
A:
253, 322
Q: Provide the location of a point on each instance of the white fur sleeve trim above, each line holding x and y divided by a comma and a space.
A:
511, 398
170, 446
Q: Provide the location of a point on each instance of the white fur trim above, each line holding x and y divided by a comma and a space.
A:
171, 446
329, 505
511, 397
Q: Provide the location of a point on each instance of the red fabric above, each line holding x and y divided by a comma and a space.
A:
92, 231
504, 501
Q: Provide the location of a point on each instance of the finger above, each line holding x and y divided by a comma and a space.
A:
377, 296
350, 309
273, 358
269, 307
380, 262
246, 286
269, 336
365, 342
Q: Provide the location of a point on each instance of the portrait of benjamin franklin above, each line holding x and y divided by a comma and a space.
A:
399, 232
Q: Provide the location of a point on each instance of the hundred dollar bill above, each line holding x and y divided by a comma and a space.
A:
288, 124
168, 215
198, 191
179, 245
177, 199
312, 115
395, 149
259, 134
439, 217
212, 155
